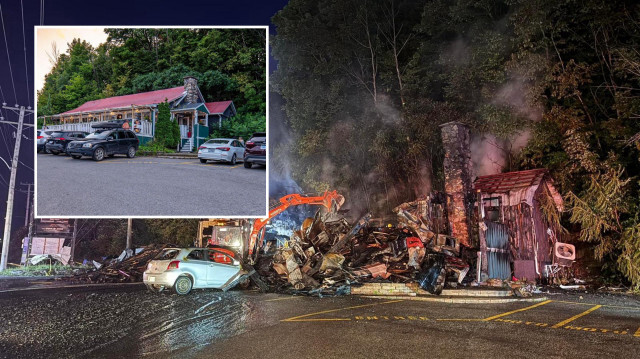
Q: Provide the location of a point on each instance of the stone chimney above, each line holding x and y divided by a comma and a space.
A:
191, 86
457, 179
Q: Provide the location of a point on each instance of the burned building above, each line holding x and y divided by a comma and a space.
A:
516, 234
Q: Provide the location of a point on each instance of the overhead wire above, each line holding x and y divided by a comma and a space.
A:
6, 46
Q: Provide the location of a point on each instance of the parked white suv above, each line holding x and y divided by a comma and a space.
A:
183, 269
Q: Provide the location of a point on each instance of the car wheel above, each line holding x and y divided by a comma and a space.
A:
76, 157
54, 152
233, 159
131, 152
46, 150
247, 164
182, 285
98, 154
202, 160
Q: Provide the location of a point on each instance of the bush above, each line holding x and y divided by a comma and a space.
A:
155, 147
167, 131
241, 126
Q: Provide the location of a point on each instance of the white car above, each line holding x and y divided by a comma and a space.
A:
183, 269
221, 149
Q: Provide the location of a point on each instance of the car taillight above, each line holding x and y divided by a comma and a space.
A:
60, 138
223, 148
201, 147
250, 144
40, 137
173, 265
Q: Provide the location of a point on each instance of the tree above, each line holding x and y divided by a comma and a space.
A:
167, 131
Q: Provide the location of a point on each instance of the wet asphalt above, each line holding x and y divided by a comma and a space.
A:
125, 321
147, 186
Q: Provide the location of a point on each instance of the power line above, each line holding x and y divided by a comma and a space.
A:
24, 45
41, 12
6, 46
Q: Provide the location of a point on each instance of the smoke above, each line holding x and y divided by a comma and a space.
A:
280, 180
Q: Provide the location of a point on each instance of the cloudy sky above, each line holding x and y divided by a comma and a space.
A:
60, 36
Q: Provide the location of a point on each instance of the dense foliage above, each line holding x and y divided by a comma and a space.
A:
230, 64
167, 132
542, 83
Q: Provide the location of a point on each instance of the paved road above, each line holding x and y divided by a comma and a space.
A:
147, 186
126, 321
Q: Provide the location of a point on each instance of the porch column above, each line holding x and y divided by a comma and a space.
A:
153, 123
219, 121
193, 130
207, 120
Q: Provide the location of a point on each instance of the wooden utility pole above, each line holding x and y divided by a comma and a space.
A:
4, 256
129, 223
73, 240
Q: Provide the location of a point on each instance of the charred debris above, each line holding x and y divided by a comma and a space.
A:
328, 254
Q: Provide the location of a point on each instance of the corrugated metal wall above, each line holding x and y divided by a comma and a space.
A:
498, 262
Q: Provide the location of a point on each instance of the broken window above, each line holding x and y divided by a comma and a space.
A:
492, 209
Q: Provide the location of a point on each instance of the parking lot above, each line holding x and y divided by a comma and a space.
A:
147, 186
123, 320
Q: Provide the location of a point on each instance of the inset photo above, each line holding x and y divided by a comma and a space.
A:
151, 122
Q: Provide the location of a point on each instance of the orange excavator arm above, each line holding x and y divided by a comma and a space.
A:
294, 199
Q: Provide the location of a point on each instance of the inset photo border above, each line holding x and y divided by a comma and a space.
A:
151, 121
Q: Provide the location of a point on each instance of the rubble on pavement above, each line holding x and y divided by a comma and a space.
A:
329, 254
128, 267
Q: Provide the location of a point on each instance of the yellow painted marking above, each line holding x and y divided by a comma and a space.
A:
603, 305
518, 310
300, 317
285, 298
566, 321
637, 333
41, 282
461, 319
236, 166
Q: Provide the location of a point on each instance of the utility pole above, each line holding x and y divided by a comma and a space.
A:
28, 220
26, 211
4, 256
73, 240
129, 223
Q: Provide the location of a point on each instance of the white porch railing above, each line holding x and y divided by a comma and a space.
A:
146, 127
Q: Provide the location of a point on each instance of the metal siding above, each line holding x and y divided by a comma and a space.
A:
499, 265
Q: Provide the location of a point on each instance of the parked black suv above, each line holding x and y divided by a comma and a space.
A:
105, 141
59, 141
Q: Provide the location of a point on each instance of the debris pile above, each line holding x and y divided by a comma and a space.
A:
328, 254
128, 267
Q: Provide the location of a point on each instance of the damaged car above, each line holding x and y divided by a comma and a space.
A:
184, 269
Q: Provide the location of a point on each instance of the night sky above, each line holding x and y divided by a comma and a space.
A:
82, 12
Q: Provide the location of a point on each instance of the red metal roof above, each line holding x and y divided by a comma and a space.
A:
505, 182
217, 107
138, 99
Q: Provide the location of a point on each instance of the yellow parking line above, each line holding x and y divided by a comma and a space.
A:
637, 333
517, 310
300, 317
285, 298
562, 323
461, 320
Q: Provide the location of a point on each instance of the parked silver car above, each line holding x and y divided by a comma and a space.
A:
183, 269
43, 136
221, 149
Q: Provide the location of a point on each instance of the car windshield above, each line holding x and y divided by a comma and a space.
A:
259, 139
168, 254
58, 134
99, 134
217, 142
